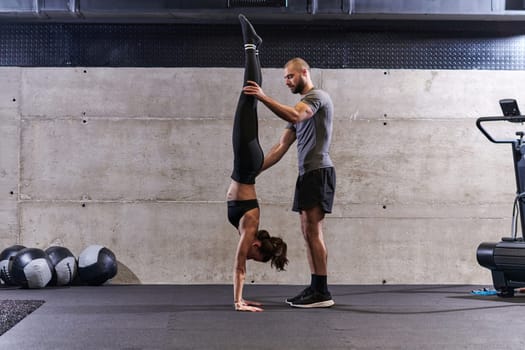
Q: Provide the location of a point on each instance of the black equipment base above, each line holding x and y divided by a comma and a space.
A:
506, 260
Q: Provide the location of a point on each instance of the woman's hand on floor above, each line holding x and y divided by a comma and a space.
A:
246, 305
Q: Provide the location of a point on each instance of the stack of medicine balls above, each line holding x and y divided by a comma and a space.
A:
56, 266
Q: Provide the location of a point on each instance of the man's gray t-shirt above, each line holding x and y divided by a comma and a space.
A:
314, 134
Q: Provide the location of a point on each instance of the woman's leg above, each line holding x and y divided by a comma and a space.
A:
248, 155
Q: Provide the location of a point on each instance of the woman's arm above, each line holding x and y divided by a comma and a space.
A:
247, 229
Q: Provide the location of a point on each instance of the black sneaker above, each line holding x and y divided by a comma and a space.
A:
248, 32
313, 300
306, 291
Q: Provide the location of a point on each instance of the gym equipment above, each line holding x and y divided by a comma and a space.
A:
31, 268
96, 265
6, 258
506, 259
64, 264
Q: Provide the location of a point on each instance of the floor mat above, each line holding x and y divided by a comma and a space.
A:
14, 311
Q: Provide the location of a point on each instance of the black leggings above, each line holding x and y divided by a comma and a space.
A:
248, 155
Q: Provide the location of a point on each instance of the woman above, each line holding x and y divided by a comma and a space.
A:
243, 208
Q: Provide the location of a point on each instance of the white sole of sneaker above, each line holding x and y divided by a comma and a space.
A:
320, 304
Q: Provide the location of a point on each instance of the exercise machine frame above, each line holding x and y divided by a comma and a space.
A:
506, 259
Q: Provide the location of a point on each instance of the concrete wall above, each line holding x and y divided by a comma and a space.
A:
139, 160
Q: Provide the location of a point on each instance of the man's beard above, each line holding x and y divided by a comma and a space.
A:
299, 87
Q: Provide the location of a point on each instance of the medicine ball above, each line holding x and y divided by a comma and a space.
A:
6, 258
96, 265
64, 264
31, 268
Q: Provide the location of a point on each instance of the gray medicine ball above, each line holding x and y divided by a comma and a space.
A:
96, 265
64, 264
31, 268
6, 258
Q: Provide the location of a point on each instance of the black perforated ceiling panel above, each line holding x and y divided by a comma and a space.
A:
418, 46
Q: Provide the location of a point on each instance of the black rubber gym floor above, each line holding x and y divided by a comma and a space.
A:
202, 317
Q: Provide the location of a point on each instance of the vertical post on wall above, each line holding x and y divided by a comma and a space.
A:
74, 8
311, 6
498, 5
347, 6
37, 5
40, 9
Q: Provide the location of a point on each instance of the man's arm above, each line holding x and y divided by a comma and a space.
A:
278, 150
295, 114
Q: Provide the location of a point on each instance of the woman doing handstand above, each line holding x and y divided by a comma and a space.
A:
243, 207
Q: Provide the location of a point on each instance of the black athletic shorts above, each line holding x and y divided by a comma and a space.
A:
315, 188
237, 209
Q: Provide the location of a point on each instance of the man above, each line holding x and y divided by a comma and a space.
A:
310, 123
